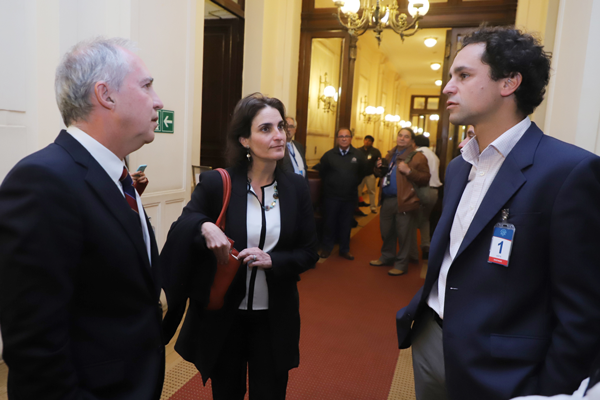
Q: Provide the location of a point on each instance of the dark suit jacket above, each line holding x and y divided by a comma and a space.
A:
78, 296
192, 268
534, 326
286, 162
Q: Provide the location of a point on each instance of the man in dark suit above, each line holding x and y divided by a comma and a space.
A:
295, 157
341, 170
510, 301
79, 279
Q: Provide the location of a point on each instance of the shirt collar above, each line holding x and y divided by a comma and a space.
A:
503, 144
106, 158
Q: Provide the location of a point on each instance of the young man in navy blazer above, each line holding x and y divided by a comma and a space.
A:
79, 278
515, 310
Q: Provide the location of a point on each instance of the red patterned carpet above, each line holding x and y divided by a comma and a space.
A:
348, 346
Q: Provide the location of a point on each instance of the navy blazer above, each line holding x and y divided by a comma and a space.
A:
532, 327
78, 296
192, 267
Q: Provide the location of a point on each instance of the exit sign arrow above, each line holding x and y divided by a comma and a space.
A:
166, 121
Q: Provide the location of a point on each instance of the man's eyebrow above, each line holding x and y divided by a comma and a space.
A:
459, 69
148, 80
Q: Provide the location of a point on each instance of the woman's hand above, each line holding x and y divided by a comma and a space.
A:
255, 257
216, 241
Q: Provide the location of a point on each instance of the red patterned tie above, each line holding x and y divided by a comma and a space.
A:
128, 189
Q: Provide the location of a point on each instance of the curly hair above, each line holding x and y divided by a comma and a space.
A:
509, 51
241, 124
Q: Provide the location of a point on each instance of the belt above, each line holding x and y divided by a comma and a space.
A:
437, 319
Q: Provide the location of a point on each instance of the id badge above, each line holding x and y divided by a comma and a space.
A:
386, 181
502, 241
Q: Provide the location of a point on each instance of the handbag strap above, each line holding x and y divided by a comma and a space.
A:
226, 196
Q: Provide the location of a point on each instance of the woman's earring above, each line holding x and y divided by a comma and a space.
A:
248, 156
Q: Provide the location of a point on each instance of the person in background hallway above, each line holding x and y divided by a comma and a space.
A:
470, 135
341, 169
270, 220
294, 160
503, 312
140, 181
372, 155
79, 276
428, 196
403, 166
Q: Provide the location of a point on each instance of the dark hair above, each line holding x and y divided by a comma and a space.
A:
412, 133
509, 51
241, 124
344, 129
369, 137
422, 141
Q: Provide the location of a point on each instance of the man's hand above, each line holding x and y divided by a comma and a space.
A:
403, 168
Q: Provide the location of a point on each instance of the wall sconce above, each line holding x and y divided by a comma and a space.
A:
372, 114
434, 117
405, 124
329, 96
391, 120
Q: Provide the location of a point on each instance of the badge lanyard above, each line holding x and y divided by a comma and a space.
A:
387, 177
502, 241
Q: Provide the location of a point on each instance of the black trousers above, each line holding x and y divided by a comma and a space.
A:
337, 219
248, 344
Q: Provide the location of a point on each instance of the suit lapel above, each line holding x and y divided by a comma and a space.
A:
507, 182
108, 193
238, 208
287, 205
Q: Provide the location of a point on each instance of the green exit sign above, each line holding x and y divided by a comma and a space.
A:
166, 121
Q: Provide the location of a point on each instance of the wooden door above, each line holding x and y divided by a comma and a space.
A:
221, 85
448, 136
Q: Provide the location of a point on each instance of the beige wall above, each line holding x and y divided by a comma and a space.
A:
271, 49
571, 111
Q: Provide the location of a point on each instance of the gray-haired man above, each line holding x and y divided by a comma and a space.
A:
79, 280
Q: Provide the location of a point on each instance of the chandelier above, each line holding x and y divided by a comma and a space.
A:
378, 17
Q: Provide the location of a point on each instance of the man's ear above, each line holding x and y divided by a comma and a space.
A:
511, 84
102, 94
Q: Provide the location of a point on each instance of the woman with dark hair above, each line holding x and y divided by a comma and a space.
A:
270, 219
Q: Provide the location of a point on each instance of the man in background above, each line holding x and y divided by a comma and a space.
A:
79, 278
428, 196
341, 169
372, 155
294, 160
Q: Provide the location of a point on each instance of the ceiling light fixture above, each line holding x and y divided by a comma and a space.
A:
430, 42
438, 82
435, 66
379, 17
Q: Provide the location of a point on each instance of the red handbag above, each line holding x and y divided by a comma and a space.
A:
225, 272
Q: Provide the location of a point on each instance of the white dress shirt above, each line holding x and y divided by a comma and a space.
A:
257, 220
434, 166
114, 168
296, 158
484, 168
